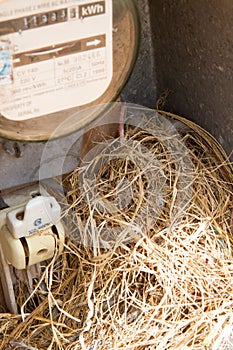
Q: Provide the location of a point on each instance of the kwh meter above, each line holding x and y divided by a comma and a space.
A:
59, 56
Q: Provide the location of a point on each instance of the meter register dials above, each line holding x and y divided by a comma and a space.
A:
60, 56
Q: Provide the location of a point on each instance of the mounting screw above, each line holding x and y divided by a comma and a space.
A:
15, 149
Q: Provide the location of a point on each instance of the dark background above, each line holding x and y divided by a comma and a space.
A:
186, 62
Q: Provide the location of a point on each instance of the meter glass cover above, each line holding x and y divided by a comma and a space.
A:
59, 56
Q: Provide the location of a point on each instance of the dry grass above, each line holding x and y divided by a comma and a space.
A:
148, 259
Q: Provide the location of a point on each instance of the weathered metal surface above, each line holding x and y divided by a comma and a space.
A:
193, 55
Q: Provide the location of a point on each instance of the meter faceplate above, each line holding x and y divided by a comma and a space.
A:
58, 57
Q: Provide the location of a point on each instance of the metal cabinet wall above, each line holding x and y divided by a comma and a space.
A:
186, 58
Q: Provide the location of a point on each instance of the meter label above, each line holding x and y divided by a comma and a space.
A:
94, 9
5, 66
59, 55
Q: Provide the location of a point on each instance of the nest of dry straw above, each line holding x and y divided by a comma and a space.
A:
148, 261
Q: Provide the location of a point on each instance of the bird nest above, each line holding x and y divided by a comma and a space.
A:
148, 261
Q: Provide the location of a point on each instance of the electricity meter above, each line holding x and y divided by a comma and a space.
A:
58, 57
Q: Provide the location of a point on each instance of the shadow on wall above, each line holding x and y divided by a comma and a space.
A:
193, 53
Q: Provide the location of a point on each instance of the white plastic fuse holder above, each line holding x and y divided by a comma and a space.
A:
29, 235
33, 233
38, 213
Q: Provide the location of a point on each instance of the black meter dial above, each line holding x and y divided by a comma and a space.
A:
58, 57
